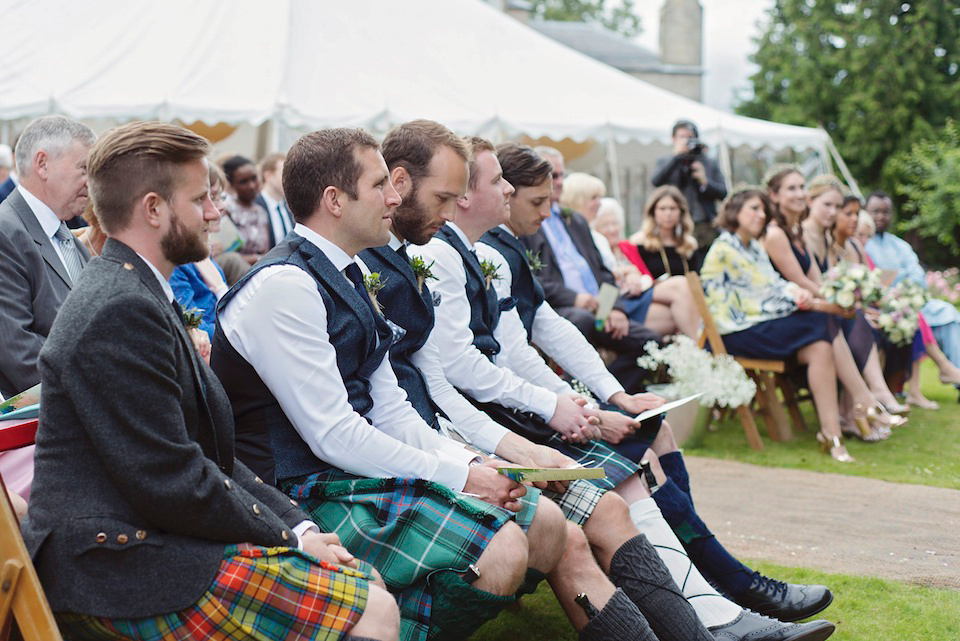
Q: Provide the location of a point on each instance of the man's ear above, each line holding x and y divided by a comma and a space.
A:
463, 202
150, 207
402, 181
40, 160
332, 200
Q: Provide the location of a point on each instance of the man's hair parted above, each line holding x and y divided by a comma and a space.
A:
522, 165
135, 159
475, 146
413, 145
321, 159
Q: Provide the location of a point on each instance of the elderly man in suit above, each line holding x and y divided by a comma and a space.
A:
142, 523
7, 182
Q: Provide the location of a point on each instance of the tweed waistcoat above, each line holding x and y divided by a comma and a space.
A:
361, 342
525, 287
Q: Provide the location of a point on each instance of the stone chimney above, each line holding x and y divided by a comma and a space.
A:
681, 33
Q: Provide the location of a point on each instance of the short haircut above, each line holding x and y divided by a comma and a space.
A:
135, 159
232, 164
475, 146
216, 176
685, 124
321, 159
866, 220
522, 165
549, 152
52, 134
270, 161
577, 189
413, 145
877, 194
727, 218
610, 207
6, 157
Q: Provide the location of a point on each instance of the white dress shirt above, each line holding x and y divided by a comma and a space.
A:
464, 365
556, 336
278, 323
482, 431
280, 219
47, 219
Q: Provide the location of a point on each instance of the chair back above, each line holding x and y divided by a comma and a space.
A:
709, 335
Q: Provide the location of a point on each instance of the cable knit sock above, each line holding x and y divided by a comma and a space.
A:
712, 608
619, 620
638, 570
719, 567
676, 470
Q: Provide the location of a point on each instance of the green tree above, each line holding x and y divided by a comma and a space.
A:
930, 183
878, 75
620, 17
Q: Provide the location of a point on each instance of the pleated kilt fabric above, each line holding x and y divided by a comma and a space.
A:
259, 594
407, 529
597, 454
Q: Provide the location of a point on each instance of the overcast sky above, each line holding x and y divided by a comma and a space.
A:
729, 26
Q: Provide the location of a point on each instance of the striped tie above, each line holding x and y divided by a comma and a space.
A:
68, 249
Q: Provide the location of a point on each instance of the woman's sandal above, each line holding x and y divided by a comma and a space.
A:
835, 447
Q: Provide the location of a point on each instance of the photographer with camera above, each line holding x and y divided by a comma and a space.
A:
696, 176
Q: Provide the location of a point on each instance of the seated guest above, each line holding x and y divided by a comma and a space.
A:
141, 519
854, 348
760, 315
583, 193
665, 242
619, 256
271, 197
891, 252
249, 216
92, 236
343, 440
201, 284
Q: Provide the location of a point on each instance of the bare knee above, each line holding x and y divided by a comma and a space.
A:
665, 441
380, 619
503, 563
609, 527
815, 352
547, 536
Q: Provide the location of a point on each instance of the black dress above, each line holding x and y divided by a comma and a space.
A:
653, 259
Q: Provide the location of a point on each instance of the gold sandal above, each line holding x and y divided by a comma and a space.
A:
835, 447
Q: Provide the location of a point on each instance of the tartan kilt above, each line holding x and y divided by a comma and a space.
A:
259, 594
597, 454
578, 502
406, 528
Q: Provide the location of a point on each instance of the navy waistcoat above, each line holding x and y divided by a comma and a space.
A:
360, 339
525, 287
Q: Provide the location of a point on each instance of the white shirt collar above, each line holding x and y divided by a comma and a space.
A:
463, 237
337, 256
395, 243
45, 216
507, 229
167, 290
271, 203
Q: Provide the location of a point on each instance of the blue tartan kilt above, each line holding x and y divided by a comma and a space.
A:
597, 454
406, 528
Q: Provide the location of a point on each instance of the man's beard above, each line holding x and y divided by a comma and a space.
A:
180, 247
410, 220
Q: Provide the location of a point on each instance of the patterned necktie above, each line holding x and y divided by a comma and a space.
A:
68, 249
402, 252
353, 272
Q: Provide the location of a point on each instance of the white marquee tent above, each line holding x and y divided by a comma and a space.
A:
318, 63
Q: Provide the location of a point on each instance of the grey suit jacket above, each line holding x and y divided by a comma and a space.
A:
33, 284
136, 489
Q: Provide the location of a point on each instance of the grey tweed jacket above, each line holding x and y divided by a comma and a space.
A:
137, 491
33, 284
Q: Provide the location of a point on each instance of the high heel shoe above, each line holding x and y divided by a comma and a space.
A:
900, 409
880, 416
835, 447
865, 427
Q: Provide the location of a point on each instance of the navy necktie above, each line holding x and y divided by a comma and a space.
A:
353, 273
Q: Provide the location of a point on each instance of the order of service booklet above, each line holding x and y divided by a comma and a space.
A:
642, 416
521, 474
26, 404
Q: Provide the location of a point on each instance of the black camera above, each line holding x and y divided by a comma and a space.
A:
695, 147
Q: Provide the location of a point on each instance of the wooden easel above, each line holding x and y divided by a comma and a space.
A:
21, 597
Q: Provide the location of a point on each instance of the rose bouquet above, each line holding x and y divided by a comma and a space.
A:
898, 310
849, 284
692, 370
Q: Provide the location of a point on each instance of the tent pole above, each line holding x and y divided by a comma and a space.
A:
614, 166
837, 158
726, 166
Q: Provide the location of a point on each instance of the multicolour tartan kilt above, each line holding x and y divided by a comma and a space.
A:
597, 454
261, 594
578, 502
406, 528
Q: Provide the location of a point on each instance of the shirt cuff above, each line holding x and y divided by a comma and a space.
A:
301, 528
543, 403
452, 471
607, 387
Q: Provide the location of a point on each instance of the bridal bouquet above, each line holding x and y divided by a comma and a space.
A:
848, 284
899, 308
692, 370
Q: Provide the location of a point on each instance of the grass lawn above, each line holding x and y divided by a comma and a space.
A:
864, 609
926, 451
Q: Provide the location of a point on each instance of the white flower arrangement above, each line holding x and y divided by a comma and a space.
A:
692, 370
899, 307
581, 388
848, 284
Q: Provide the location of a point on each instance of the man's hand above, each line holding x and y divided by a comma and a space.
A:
201, 343
574, 420
326, 547
614, 426
585, 301
698, 172
543, 456
486, 482
617, 325
635, 283
636, 403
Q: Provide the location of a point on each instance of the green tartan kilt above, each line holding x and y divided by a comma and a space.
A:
406, 528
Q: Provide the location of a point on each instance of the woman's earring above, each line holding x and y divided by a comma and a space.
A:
678, 231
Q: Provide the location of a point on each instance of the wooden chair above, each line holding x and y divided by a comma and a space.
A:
21, 597
767, 374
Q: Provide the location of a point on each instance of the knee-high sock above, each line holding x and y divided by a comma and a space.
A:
711, 608
711, 558
676, 470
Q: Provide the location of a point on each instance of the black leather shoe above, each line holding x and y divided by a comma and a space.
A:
784, 601
750, 626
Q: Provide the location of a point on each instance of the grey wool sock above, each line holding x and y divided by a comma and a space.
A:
619, 620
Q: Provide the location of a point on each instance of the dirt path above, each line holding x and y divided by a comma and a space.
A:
831, 522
